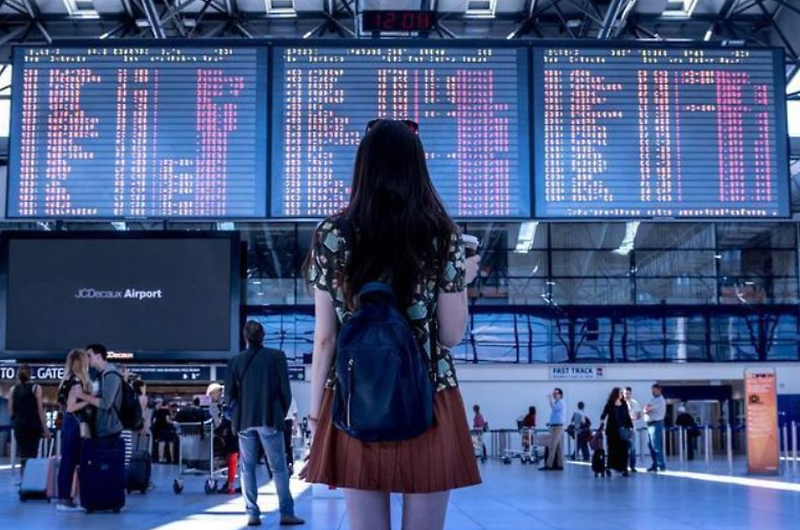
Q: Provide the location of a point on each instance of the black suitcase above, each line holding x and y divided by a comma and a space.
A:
138, 473
102, 474
599, 462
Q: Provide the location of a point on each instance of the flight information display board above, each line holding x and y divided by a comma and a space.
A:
659, 132
138, 131
471, 104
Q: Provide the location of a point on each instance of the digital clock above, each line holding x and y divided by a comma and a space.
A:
378, 21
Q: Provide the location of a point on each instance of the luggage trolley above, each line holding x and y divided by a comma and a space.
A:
198, 456
523, 444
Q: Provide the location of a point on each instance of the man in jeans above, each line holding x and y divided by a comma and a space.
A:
639, 425
558, 414
257, 388
654, 414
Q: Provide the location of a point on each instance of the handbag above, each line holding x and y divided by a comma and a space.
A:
626, 434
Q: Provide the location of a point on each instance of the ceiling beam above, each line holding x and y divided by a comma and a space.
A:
612, 14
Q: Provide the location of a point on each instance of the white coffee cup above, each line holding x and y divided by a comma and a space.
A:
471, 244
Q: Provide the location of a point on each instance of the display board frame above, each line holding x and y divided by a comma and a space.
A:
236, 295
414, 43
270, 45
263, 69
781, 122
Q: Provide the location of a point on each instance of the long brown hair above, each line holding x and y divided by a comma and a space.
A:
398, 228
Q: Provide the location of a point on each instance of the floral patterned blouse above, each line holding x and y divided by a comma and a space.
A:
329, 257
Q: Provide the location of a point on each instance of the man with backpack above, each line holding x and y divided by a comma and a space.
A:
258, 396
102, 469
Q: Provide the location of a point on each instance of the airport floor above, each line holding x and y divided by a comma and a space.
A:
511, 497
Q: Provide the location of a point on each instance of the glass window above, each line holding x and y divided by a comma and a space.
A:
291, 332
679, 290
587, 236
498, 337
583, 263
591, 291
755, 235
674, 236
752, 262
675, 263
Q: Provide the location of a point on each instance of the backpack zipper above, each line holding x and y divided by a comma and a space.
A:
350, 366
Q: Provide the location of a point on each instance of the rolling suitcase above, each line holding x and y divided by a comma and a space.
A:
138, 472
40, 474
102, 474
599, 462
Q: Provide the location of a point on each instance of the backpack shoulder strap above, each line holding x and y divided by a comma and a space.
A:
252, 358
119, 391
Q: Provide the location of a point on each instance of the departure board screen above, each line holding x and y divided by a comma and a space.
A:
471, 104
139, 131
659, 132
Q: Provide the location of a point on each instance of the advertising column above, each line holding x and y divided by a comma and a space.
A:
763, 455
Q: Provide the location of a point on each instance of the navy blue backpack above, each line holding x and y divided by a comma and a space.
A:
383, 390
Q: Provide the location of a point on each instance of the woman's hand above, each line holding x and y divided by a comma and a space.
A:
473, 266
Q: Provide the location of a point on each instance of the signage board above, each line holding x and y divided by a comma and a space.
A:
576, 372
763, 454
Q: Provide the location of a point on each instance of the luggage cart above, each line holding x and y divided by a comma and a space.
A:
523, 445
198, 456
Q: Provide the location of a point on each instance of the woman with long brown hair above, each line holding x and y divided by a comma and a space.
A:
395, 230
619, 430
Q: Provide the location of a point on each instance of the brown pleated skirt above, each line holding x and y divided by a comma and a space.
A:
441, 459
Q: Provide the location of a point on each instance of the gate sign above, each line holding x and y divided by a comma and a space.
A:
762, 422
43, 373
576, 372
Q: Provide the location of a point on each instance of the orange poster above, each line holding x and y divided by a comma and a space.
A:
763, 455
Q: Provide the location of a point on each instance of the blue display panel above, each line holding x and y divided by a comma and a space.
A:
138, 131
471, 104
632, 132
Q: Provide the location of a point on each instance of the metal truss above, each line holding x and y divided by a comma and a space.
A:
741, 21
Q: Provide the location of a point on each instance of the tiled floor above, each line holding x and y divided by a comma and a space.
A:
512, 497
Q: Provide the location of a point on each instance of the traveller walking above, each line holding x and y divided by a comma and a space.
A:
619, 430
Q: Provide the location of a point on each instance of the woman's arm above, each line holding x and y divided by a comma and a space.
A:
324, 349
453, 310
74, 401
88, 399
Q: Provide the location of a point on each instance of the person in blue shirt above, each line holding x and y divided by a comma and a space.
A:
558, 414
